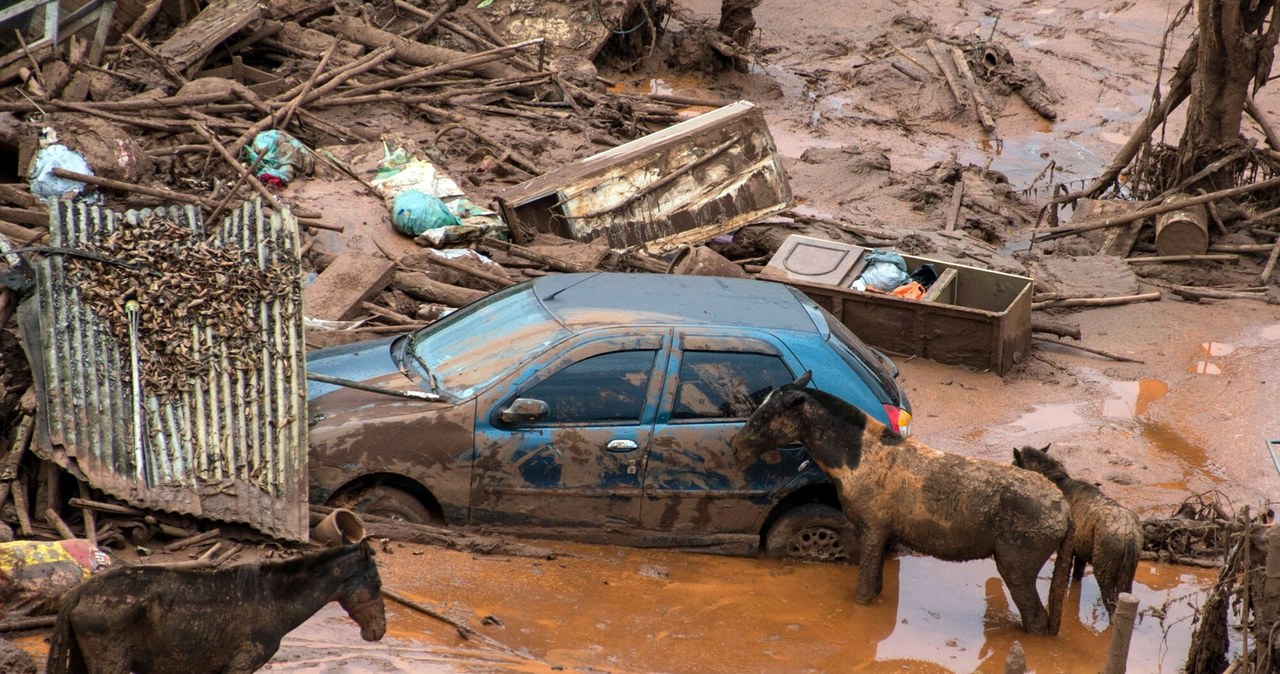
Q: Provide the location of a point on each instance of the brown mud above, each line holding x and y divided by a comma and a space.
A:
861, 141
625, 610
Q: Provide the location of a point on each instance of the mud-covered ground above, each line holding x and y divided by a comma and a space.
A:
861, 140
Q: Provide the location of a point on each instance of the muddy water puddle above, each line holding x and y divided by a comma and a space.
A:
628, 610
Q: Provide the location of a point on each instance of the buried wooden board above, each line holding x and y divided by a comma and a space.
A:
685, 184
200, 36
352, 278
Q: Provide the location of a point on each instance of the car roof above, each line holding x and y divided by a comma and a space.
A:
581, 300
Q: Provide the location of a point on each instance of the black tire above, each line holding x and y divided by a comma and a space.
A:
812, 532
384, 501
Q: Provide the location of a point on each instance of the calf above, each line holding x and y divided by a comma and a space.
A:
1107, 534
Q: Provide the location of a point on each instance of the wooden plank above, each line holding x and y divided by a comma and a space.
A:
200, 36
337, 292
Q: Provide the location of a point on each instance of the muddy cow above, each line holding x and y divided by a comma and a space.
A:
161, 620
948, 506
1107, 534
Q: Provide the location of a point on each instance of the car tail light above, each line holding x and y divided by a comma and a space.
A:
899, 420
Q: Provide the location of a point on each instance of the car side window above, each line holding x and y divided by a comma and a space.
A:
725, 385
610, 387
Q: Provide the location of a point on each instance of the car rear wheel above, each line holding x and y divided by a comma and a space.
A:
388, 502
813, 532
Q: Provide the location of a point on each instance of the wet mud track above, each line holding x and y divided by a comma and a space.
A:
626, 610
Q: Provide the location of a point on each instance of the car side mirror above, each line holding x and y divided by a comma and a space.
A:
525, 410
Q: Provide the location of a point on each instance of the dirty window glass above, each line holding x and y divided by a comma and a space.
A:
473, 346
611, 387
723, 385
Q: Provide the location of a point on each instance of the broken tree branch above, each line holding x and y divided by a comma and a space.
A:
1155, 259
940, 57
1099, 352
979, 102
1097, 301
1120, 219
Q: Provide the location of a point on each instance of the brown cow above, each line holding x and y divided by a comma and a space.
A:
1108, 535
948, 506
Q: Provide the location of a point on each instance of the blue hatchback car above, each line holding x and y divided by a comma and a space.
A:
597, 407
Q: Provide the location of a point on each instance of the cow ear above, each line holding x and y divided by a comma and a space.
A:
804, 379
791, 397
1045, 449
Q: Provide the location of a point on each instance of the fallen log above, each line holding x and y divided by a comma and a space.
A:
953, 82
412, 53
419, 286
522, 252
1156, 259
447, 263
394, 316
134, 188
979, 102
1097, 301
20, 624
1123, 218
1058, 329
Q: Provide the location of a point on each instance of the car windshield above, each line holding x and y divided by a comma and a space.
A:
468, 349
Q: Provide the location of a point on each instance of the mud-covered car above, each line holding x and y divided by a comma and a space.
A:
597, 407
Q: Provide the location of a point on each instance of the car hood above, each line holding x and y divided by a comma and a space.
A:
360, 362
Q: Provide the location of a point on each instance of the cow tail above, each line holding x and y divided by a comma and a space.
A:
64, 650
1128, 565
1061, 578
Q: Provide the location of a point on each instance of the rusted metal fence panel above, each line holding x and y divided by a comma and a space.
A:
232, 445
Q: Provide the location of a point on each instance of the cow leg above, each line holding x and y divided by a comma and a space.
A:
1019, 571
871, 564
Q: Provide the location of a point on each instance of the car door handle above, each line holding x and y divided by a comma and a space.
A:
622, 446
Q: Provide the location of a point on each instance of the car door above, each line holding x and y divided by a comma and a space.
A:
692, 482
577, 461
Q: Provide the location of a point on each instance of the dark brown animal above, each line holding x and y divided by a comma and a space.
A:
948, 506
1108, 535
159, 620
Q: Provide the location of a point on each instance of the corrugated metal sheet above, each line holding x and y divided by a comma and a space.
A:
233, 447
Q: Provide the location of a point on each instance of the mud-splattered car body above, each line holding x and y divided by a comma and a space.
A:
596, 407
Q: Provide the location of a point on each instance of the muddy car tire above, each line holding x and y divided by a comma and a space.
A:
813, 532
388, 502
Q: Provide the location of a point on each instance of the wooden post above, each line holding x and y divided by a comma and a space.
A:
1121, 634
20, 507
1267, 609
90, 526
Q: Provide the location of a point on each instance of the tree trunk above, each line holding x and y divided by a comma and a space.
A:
1233, 52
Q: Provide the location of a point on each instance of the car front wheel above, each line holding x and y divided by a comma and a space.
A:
384, 501
813, 532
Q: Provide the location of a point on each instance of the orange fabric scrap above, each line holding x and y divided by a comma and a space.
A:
911, 291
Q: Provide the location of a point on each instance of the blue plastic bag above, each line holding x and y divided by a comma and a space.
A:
283, 157
414, 212
45, 184
885, 270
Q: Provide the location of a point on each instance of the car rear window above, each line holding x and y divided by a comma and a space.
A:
473, 346
863, 359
